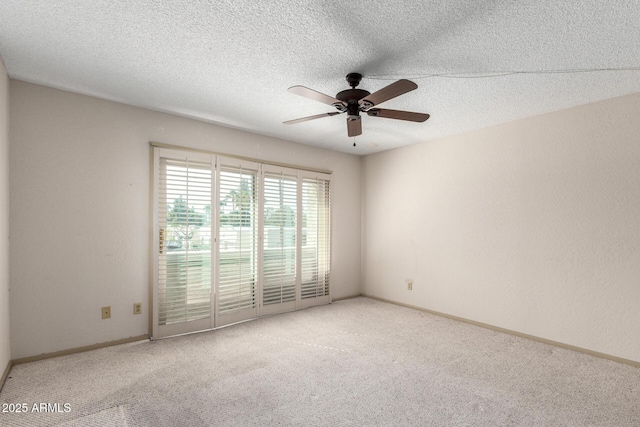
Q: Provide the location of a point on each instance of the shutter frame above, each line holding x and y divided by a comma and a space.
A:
184, 261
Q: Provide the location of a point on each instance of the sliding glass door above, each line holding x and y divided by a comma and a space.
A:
235, 240
279, 254
237, 226
183, 271
315, 241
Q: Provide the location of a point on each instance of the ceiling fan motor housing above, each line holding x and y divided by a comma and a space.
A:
351, 98
352, 95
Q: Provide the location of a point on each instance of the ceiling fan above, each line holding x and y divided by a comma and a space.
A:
353, 101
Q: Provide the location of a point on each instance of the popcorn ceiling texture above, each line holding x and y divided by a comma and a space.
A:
230, 62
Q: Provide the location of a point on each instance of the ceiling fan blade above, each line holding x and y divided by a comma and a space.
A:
398, 115
386, 93
354, 127
317, 116
315, 95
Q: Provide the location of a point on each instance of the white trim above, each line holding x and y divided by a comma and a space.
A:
263, 162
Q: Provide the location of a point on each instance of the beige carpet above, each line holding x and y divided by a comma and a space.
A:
357, 362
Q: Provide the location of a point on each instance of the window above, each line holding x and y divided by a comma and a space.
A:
280, 232
235, 239
185, 248
315, 238
238, 246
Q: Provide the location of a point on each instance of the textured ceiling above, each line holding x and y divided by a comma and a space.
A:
231, 62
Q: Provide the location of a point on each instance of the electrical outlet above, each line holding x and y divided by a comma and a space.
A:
106, 312
409, 284
137, 308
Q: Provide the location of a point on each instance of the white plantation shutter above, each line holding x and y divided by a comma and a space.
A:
235, 239
279, 251
315, 238
238, 241
184, 262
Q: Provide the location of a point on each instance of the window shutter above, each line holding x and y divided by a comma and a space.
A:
315, 238
238, 243
235, 239
279, 251
184, 262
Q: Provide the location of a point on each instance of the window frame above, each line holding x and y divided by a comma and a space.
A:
261, 169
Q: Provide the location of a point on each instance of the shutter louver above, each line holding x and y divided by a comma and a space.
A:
184, 216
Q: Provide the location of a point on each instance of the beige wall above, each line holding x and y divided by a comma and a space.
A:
5, 352
532, 226
80, 211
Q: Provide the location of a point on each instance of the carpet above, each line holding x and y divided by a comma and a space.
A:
357, 362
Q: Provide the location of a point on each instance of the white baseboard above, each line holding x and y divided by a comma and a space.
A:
78, 349
516, 333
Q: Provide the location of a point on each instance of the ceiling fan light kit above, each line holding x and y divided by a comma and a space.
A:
353, 101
